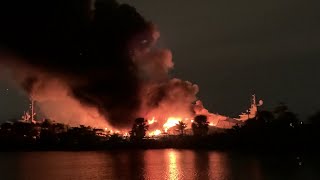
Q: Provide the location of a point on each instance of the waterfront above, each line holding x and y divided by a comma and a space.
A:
153, 164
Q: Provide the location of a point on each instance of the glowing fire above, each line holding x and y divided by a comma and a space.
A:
172, 121
155, 133
151, 121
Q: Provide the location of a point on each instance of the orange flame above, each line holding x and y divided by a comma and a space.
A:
151, 121
172, 121
155, 133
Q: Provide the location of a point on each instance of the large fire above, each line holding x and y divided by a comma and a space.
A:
160, 126
156, 132
151, 121
133, 82
171, 122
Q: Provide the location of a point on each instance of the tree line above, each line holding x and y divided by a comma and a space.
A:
275, 130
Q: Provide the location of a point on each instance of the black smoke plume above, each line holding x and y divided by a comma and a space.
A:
95, 59
85, 46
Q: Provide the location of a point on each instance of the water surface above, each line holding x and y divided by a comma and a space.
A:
153, 164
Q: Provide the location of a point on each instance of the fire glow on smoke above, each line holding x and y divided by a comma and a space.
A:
120, 74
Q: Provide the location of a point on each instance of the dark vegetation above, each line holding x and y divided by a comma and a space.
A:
278, 130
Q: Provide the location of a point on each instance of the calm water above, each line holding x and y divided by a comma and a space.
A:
153, 164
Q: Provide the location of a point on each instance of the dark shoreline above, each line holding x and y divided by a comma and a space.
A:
158, 145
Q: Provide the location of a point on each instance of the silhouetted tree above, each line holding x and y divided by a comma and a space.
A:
200, 125
181, 126
288, 118
265, 117
60, 128
81, 136
314, 127
262, 119
47, 124
139, 129
6, 128
285, 118
115, 138
281, 108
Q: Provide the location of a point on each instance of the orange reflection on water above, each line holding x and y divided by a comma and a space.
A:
173, 168
219, 166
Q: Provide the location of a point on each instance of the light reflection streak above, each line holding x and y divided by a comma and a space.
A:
219, 166
173, 167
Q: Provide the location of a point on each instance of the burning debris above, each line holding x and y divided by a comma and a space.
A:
156, 132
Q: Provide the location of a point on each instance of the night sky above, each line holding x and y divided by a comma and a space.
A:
232, 49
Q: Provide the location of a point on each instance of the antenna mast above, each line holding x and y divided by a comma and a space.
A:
32, 110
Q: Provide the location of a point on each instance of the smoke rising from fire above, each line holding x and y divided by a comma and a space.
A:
93, 66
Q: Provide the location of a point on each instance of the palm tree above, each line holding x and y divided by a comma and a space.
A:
200, 125
139, 129
181, 126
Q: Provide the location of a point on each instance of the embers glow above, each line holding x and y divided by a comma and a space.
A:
172, 121
151, 121
126, 134
155, 133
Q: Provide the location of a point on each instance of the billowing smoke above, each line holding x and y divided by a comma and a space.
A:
90, 62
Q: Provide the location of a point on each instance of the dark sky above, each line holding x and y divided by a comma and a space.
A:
232, 49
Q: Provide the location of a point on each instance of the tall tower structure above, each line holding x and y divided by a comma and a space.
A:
32, 113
